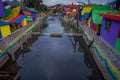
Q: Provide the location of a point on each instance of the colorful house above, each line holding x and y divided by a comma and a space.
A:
110, 30
32, 13
10, 14
4, 29
18, 21
85, 15
69, 11
96, 20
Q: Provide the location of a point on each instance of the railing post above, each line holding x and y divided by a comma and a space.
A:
11, 55
77, 26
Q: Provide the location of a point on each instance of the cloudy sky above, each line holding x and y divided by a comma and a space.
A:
53, 2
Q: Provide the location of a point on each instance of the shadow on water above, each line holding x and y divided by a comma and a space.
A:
46, 58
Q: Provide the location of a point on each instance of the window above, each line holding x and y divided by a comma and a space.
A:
108, 25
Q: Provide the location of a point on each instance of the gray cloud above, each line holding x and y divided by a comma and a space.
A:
53, 2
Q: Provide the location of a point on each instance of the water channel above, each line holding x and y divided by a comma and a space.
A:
51, 58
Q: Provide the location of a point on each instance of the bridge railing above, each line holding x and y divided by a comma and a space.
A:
112, 54
109, 57
7, 41
109, 51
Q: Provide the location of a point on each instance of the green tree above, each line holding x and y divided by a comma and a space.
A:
43, 7
33, 3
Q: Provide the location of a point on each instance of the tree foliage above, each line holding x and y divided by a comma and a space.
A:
37, 4
43, 7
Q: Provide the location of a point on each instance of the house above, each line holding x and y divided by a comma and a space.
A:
4, 29
110, 30
32, 13
11, 13
69, 11
96, 20
85, 15
18, 21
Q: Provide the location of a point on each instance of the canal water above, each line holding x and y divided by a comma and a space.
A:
51, 58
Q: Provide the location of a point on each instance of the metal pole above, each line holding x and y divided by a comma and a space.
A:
77, 26
77, 8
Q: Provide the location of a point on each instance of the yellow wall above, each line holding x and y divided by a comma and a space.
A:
86, 10
89, 21
5, 30
24, 22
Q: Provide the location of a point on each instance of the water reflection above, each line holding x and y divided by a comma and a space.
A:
9, 70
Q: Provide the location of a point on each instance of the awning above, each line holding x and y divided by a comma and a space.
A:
2, 23
18, 19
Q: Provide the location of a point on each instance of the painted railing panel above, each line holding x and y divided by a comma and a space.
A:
7, 43
110, 52
108, 56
